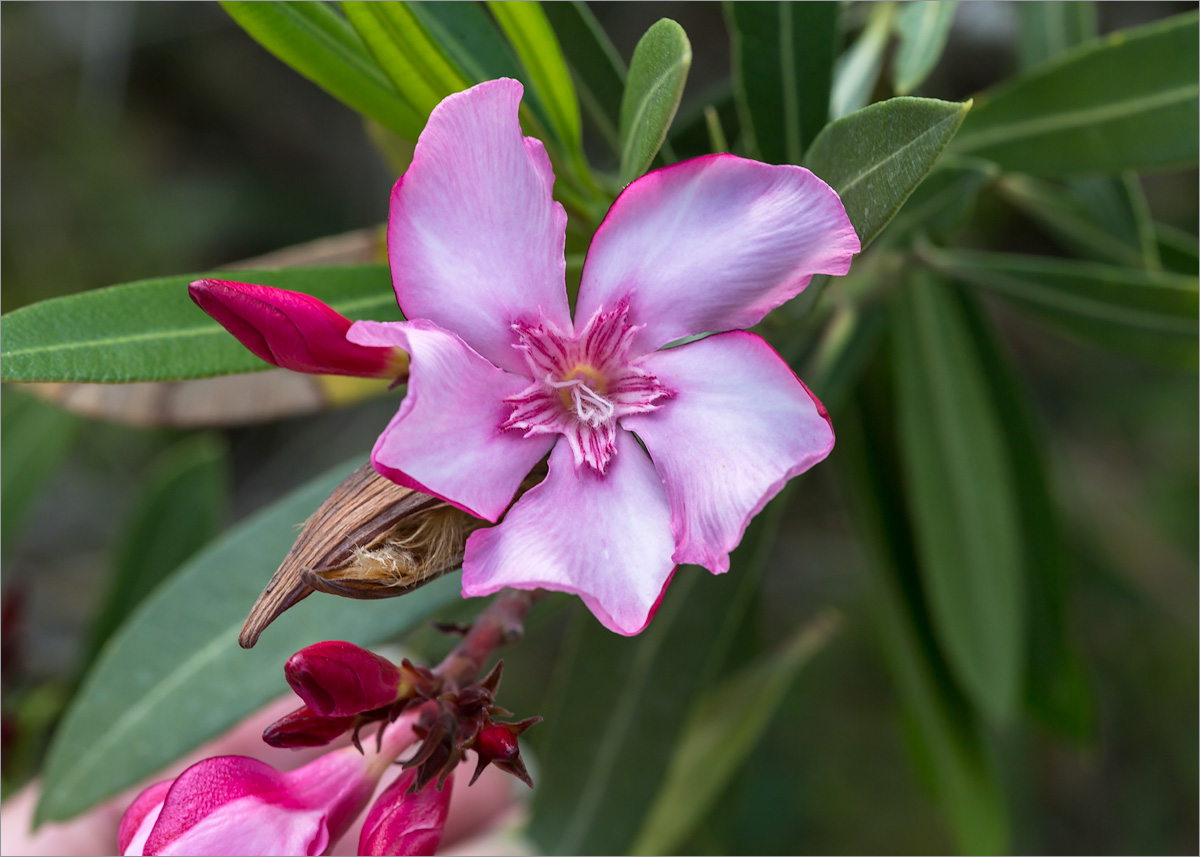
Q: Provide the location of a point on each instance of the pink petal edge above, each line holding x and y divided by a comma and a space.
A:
739, 426
713, 244
475, 238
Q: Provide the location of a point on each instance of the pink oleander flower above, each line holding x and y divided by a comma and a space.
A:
239, 805
404, 822
657, 455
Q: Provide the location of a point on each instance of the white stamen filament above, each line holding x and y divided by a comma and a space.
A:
591, 407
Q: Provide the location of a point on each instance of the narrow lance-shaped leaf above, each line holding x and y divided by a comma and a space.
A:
319, 44
923, 27
876, 157
1127, 101
722, 730
1050, 27
180, 510
532, 37
951, 743
657, 75
961, 496
415, 63
783, 71
1057, 690
174, 675
857, 69
151, 331
1148, 315
599, 70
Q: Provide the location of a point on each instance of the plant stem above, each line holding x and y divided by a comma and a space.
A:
500, 624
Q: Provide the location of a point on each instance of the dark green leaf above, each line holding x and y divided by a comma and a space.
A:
1073, 220
923, 27
180, 510
782, 71
1051, 27
599, 70
623, 702
961, 495
657, 75
315, 41
532, 37
725, 726
948, 737
36, 439
415, 63
942, 202
876, 157
151, 331
174, 676
1179, 250
1127, 101
1129, 310
1057, 689
469, 37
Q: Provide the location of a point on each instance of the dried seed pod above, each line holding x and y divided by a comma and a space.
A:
361, 515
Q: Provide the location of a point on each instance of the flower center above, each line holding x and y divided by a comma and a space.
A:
582, 385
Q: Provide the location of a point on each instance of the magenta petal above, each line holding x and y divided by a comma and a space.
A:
475, 238
293, 330
403, 823
739, 426
139, 819
713, 244
606, 538
447, 439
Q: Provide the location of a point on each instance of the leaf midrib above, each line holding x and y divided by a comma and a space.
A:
1067, 120
932, 129
643, 106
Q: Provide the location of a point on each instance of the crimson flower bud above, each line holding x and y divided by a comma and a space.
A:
497, 742
339, 679
294, 330
302, 728
407, 821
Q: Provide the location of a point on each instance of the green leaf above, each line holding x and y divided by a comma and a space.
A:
1127, 101
657, 75
180, 510
599, 71
532, 37
1057, 690
623, 702
961, 495
469, 37
414, 62
1050, 27
315, 41
174, 677
857, 69
722, 730
951, 743
942, 202
151, 331
1180, 251
923, 28
36, 439
876, 157
1073, 220
1148, 315
782, 72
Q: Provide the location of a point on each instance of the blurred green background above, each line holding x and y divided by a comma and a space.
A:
150, 139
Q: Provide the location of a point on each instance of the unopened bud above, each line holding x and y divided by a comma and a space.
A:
303, 728
336, 679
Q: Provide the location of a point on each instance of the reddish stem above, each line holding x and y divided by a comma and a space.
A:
502, 623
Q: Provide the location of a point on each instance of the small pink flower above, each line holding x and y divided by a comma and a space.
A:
404, 822
239, 805
293, 330
338, 679
502, 376
657, 455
